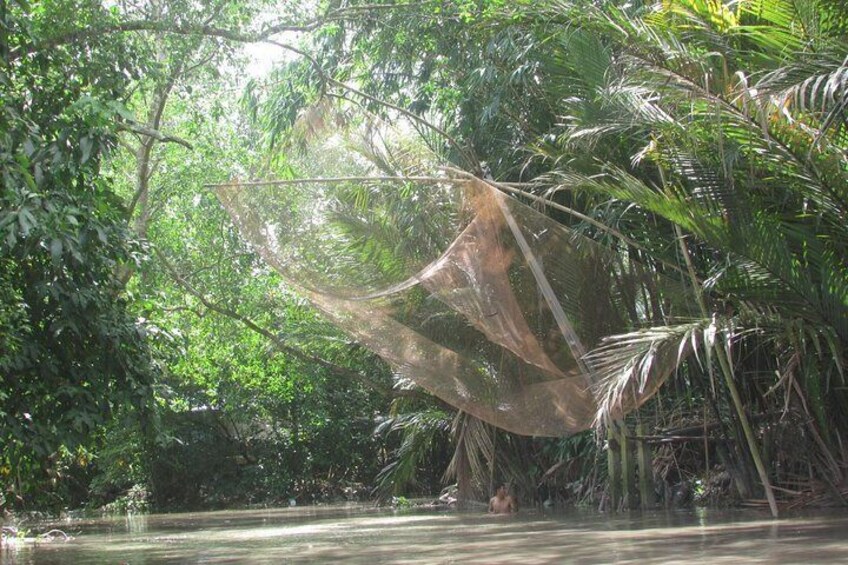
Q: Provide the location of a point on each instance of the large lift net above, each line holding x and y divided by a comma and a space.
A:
481, 300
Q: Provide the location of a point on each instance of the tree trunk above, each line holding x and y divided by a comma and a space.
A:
647, 496
463, 477
613, 468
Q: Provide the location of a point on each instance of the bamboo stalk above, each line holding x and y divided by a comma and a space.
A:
727, 373
749, 434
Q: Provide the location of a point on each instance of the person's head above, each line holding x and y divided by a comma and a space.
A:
502, 491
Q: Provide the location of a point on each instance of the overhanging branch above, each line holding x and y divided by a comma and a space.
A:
153, 134
205, 29
279, 344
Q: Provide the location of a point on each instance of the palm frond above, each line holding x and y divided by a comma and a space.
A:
815, 83
632, 366
474, 443
421, 431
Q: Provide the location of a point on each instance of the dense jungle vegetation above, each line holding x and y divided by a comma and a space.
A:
150, 359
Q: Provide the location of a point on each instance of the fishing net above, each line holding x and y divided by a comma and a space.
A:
481, 300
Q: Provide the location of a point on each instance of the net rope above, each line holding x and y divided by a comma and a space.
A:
483, 301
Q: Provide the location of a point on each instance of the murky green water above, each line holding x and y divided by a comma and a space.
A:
372, 536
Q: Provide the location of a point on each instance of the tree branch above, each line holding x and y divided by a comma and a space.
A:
336, 180
469, 158
279, 344
205, 29
153, 134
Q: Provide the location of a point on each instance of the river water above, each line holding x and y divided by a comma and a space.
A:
358, 534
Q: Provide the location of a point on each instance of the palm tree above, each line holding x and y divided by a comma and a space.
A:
724, 128
704, 142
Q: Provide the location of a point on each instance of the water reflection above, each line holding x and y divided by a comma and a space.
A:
358, 534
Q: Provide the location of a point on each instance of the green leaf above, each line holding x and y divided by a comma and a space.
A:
86, 145
26, 221
29, 147
56, 251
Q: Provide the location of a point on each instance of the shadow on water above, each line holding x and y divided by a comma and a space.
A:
359, 534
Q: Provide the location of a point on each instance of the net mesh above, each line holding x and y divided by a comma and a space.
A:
481, 300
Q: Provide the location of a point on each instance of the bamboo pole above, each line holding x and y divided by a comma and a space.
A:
727, 373
749, 433
335, 180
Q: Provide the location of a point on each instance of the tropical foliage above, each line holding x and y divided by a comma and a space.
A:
737, 153
705, 143
72, 353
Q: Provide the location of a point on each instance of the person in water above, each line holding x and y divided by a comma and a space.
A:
502, 502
